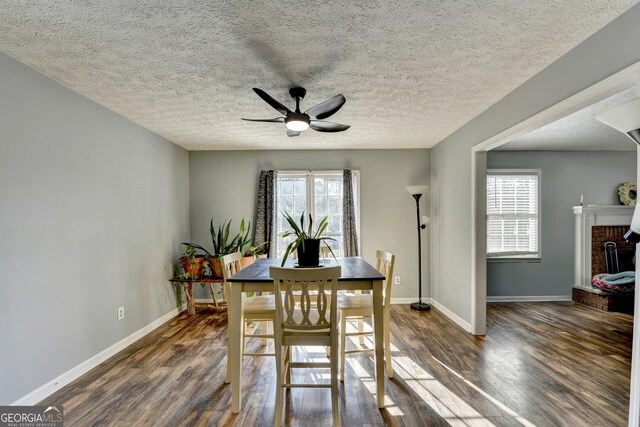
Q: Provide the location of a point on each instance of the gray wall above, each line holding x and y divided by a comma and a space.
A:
609, 50
92, 209
223, 184
565, 176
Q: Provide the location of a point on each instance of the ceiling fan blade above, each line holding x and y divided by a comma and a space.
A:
269, 100
292, 133
276, 120
322, 126
326, 108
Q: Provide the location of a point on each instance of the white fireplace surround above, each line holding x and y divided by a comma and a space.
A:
585, 218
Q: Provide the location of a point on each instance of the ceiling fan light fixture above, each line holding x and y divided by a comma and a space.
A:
297, 123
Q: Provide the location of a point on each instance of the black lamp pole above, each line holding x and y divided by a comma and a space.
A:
420, 306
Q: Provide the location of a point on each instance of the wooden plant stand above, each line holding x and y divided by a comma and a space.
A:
187, 286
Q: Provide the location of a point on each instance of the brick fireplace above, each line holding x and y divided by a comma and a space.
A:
602, 234
594, 226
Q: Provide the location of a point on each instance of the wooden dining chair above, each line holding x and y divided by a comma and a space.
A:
324, 255
256, 308
356, 307
307, 322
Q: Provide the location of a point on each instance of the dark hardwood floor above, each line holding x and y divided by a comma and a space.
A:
542, 364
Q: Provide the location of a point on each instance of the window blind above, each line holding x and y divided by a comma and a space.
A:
512, 214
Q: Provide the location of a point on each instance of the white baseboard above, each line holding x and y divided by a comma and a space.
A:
451, 315
533, 298
77, 371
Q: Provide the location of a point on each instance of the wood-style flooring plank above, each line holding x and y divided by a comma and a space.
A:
541, 364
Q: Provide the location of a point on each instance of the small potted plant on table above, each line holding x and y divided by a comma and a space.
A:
306, 242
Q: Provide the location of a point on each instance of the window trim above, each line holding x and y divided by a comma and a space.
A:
306, 173
537, 257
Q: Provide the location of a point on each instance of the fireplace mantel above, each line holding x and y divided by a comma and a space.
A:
585, 218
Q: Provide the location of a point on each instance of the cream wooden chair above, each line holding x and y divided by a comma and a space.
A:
256, 308
355, 307
308, 322
324, 255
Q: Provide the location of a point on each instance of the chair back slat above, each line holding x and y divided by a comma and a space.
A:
305, 293
384, 264
231, 264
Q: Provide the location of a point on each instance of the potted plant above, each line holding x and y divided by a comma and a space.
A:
224, 243
193, 264
250, 254
306, 243
243, 241
221, 246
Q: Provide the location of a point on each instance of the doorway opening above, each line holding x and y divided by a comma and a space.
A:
482, 160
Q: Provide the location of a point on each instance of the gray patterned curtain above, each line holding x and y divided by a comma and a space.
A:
348, 215
265, 230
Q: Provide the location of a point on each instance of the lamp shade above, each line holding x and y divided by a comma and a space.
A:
417, 189
624, 118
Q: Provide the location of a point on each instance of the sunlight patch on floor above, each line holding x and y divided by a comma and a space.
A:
446, 403
453, 409
367, 380
487, 396
442, 400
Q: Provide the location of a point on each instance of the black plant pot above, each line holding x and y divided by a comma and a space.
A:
310, 255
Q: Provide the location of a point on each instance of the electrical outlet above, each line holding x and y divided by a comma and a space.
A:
396, 280
120, 313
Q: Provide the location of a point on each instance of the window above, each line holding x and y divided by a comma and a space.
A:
513, 213
318, 193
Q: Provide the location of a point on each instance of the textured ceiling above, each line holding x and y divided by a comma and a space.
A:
578, 131
412, 72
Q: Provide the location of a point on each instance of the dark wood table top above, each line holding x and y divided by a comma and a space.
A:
203, 279
353, 268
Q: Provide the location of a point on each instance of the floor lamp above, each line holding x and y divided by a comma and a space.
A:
417, 191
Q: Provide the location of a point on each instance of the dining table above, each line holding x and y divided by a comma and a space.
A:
356, 274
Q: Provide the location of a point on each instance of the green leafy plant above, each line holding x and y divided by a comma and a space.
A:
255, 250
244, 239
243, 236
220, 238
193, 263
224, 243
189, 251
301, 234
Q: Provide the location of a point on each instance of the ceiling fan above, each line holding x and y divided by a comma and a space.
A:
296, 121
